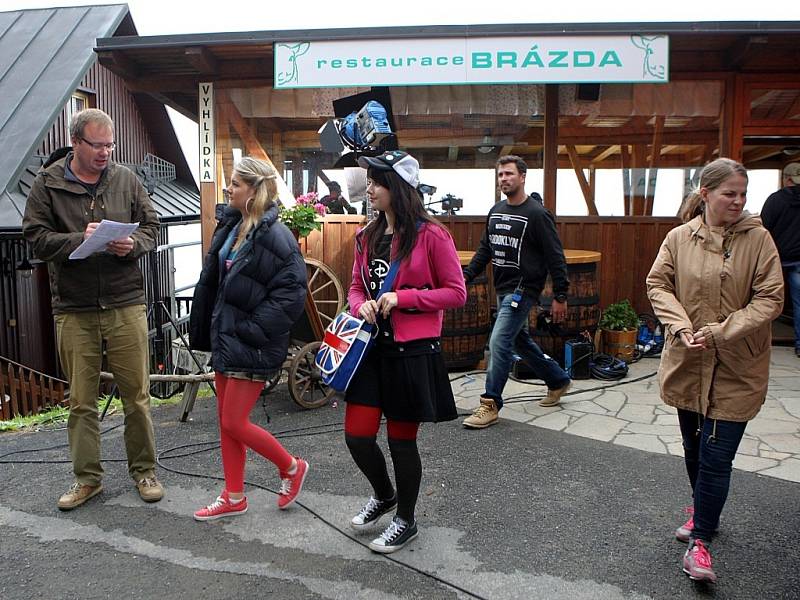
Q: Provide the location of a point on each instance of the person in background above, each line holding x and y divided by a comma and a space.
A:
522, 243
781, 216
404, 376
251, 291
716, 285
97, 299
335, 203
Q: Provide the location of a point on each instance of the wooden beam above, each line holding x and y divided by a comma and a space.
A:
625, 163
119, 64
606, 153
228, 111
761, 154
639, 178
452, 153
587, 192
506, 150
550, 161
201, 59
655, 154
743, 50
741, 111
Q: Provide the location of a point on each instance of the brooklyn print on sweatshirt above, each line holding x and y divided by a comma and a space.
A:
523, 246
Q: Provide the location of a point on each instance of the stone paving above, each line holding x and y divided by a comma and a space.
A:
630, 413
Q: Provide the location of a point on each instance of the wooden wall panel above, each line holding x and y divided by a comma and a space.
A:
113, 97
628, 246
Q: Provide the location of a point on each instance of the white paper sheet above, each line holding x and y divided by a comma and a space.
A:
107, 231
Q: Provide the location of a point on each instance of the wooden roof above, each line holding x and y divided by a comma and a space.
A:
170, 67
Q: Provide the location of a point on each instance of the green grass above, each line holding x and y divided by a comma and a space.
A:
59, 414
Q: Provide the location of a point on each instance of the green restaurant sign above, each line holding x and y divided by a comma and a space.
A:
465, 61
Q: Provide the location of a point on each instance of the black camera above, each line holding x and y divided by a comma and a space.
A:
451, 204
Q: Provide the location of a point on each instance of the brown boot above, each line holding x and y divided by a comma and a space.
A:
77, 495
554, 396
484, 415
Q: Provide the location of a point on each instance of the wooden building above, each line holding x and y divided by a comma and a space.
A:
703, 90
48, 71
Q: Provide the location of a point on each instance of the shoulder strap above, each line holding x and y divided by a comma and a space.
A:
388, 282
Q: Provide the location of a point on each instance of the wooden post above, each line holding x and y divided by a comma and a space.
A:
625, 162
585, 187
550, 151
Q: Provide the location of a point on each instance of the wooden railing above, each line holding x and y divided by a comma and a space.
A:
24, 391
628, 246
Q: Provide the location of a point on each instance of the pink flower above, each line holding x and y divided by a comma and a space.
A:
320, 208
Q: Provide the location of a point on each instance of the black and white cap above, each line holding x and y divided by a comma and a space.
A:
398, 161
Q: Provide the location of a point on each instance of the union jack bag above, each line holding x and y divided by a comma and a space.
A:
344, 346
346, 342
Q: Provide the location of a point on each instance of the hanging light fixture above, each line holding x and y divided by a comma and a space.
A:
486, 145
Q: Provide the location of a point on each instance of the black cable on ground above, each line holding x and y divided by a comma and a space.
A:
314, 513
526, 398
56, 447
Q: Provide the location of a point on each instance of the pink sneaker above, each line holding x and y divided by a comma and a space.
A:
684, 532
221, 507
292, 484
697, 563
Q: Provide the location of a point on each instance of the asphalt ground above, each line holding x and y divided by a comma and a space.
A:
510, 512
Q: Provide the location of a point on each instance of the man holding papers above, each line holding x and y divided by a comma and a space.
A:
97, 295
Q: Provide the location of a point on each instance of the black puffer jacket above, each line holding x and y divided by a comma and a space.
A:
243, 315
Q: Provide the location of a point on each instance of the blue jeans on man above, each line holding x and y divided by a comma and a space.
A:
793, 281
510, 336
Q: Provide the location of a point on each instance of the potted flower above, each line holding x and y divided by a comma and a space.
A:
302, 217
619, 325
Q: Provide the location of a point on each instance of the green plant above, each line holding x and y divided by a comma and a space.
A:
619, 316
302, 217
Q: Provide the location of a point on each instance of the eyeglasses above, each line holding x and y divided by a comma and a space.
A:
99, 145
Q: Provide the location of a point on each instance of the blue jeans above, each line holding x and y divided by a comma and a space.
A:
793, 281
709, 447
509, 335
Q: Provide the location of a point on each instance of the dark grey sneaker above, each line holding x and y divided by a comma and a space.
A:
397, 534
373, 510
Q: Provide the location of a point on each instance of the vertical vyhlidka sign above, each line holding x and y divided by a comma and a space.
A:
207, 143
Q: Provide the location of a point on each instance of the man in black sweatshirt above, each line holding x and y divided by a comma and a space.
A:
522, 243
781, 216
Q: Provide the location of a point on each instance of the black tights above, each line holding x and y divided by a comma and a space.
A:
361, 425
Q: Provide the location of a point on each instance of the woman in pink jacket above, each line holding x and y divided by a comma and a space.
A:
403, 377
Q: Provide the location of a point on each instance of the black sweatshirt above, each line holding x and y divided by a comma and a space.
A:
781, 216
523, 245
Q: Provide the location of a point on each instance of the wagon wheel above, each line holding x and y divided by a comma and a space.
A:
325, 289
305, 380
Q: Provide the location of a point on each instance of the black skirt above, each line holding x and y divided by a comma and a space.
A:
407, 381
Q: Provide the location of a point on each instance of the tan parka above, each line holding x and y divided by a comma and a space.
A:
727, 282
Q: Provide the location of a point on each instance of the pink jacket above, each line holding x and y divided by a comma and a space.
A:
429, 280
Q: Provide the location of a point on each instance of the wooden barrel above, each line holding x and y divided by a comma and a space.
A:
583, 304
466, 329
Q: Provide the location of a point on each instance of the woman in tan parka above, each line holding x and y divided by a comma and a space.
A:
716, 285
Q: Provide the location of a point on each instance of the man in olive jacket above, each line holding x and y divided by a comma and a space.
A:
97, 298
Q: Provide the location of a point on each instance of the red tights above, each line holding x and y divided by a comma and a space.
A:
364, 421
235, 400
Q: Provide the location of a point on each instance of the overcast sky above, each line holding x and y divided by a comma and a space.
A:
158, 17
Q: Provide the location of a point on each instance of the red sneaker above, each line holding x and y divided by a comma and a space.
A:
697, 562
684, 532
221, 507
292, 484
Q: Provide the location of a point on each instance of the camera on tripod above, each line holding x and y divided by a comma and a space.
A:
451, 204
